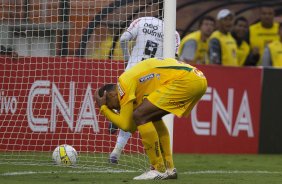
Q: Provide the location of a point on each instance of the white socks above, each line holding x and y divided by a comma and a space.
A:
121, 142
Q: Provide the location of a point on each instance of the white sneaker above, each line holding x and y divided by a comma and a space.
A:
172, 174
152, 175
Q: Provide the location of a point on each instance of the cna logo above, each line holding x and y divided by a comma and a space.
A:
39, 123
243, 120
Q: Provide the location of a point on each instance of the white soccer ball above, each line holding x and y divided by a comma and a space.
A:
65, 155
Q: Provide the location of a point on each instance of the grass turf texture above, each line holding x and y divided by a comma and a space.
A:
192, 169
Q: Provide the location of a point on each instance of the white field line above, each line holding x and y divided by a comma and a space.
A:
128, 171
229, 172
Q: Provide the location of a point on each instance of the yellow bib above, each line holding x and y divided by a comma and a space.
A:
202, 47
228, 48
260, 37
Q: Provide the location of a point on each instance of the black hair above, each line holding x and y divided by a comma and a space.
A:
241, 18
107, 88
207, 17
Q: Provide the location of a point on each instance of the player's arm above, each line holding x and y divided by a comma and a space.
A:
252, 59
124, 39
214, 51
188, 51
130, 34
266, 58
124, 120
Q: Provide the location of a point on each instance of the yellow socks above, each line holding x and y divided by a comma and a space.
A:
150, 140
156, 141
165, 143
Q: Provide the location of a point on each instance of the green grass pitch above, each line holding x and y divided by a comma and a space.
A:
192, 169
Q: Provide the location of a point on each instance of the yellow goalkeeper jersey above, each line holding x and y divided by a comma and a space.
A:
167, 83
148, 75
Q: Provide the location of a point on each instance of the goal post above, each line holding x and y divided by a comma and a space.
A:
169, 28
67, 49
169, 50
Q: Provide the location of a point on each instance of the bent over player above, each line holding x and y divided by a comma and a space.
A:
143, 95
148, 35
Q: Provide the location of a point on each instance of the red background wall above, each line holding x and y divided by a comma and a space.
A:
18, 77
244, 114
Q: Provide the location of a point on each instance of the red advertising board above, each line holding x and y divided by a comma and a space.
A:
226, 120
46, 102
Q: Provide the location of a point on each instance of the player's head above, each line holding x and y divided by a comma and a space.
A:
240, 27
111, 96
207, 25
225, 20
267, 14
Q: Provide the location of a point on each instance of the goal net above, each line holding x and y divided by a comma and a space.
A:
66, 50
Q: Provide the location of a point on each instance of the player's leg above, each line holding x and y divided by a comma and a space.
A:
120, 144
164, 138
164, 142
144, 116
174, 97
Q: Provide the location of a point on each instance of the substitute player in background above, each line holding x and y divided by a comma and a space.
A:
222, 46
143, 95
148, 35
244, 55
193, 48
263, 32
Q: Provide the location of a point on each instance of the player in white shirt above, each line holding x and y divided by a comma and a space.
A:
148, 35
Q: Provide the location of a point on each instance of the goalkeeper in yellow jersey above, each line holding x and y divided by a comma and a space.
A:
143, 95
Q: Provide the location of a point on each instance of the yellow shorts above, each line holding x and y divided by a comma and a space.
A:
181, 95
